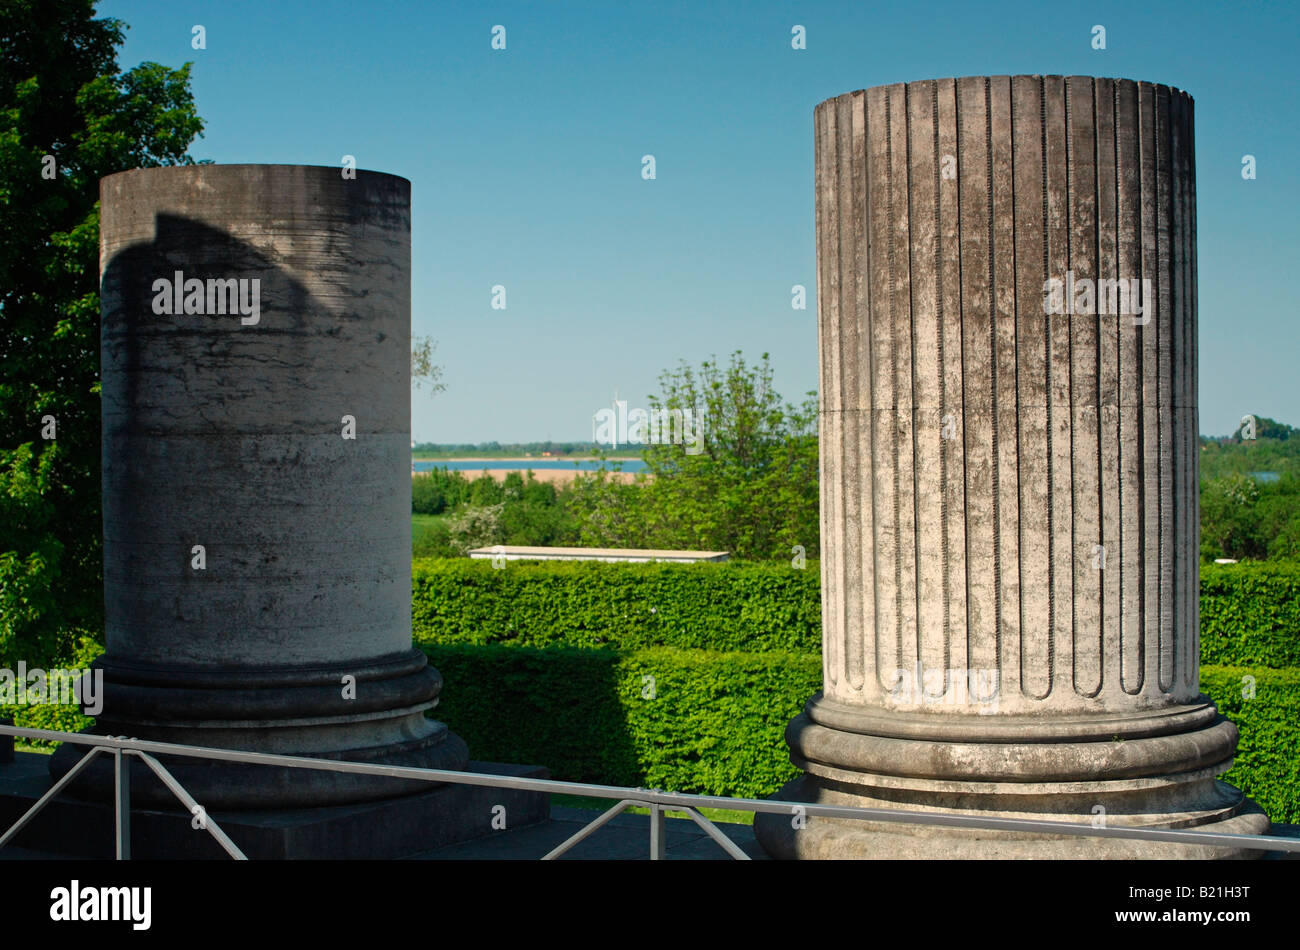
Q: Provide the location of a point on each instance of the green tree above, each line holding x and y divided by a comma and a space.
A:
1265, 428
68, 116
605, 511
532, 514
734, 470
749, 486
424, 372
1230, 518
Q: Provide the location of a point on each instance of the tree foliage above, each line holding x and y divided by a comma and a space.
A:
1250, 494
748, 486
424, 372
68, 116
1246, 519
739, 474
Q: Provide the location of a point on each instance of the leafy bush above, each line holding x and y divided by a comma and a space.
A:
437, 491
713, 723
1250, 614
430, 537
475, 527
681, 720
485, 491
730, 606
1267, 767
56, 717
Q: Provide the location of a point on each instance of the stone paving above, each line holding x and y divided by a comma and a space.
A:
626, 837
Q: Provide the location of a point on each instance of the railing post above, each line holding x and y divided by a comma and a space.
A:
658, 833
122, 772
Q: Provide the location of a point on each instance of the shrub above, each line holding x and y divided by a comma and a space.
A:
55, 717
1250, 615
681, 720
714, 723
475, 527
1267, 767
430, 537
437, 491
751, 607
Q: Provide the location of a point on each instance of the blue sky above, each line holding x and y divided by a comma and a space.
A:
525, 166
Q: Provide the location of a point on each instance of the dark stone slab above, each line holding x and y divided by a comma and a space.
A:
391, 828
625, 838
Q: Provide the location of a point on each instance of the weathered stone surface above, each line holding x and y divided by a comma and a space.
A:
226, 430
1010, 515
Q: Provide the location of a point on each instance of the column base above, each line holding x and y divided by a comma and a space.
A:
307, 712
831, 838
1154, 769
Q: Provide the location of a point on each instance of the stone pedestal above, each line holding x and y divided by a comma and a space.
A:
256, 472
1010, 514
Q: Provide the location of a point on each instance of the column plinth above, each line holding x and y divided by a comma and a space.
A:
1009, 473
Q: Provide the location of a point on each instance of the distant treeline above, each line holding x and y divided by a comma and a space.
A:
1250, 493
756, 496
1275, 448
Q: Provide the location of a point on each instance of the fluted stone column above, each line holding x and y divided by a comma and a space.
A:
1009, 472
256, 470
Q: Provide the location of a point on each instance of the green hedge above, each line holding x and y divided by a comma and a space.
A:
1267, 767
730, 607
716, 722
712, 723
1250, 615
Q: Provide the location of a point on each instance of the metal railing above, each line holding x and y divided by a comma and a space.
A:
658, 802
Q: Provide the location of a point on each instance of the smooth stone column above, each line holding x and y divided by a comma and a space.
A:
277, 439
1009, 473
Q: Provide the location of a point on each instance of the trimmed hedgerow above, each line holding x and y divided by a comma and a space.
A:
1265, 705
683, 720
1250, 614
714, 723
728, 607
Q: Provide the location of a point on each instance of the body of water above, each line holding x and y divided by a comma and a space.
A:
1266, 476
522, 465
